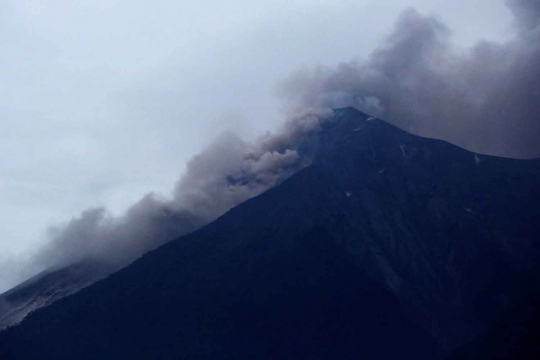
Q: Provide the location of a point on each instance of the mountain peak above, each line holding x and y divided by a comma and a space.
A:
387, 245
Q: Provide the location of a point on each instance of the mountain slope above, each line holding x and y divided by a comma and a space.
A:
232, 291
454, 234
390, 246
516, 336
47, 287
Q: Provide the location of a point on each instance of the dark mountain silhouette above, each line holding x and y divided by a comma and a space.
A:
516, 336
389, 246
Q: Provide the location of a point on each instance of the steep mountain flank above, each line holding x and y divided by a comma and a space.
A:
389, 246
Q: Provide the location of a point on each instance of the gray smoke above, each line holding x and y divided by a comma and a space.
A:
225, 174
486, 99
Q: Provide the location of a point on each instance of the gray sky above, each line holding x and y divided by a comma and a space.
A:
104, 101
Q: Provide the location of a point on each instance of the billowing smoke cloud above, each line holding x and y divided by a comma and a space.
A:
527, 14
225, 174
486, 99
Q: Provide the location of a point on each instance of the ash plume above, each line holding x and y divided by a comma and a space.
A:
225, 174
485, 99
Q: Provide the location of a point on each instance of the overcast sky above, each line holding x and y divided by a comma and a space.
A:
102, 101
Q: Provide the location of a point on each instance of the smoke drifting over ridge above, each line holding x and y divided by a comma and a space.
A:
486, 99
225, 174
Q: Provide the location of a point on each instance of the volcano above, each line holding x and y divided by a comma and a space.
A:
388, 246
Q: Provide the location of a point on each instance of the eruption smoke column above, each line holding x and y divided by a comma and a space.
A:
225, 174
486, 100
